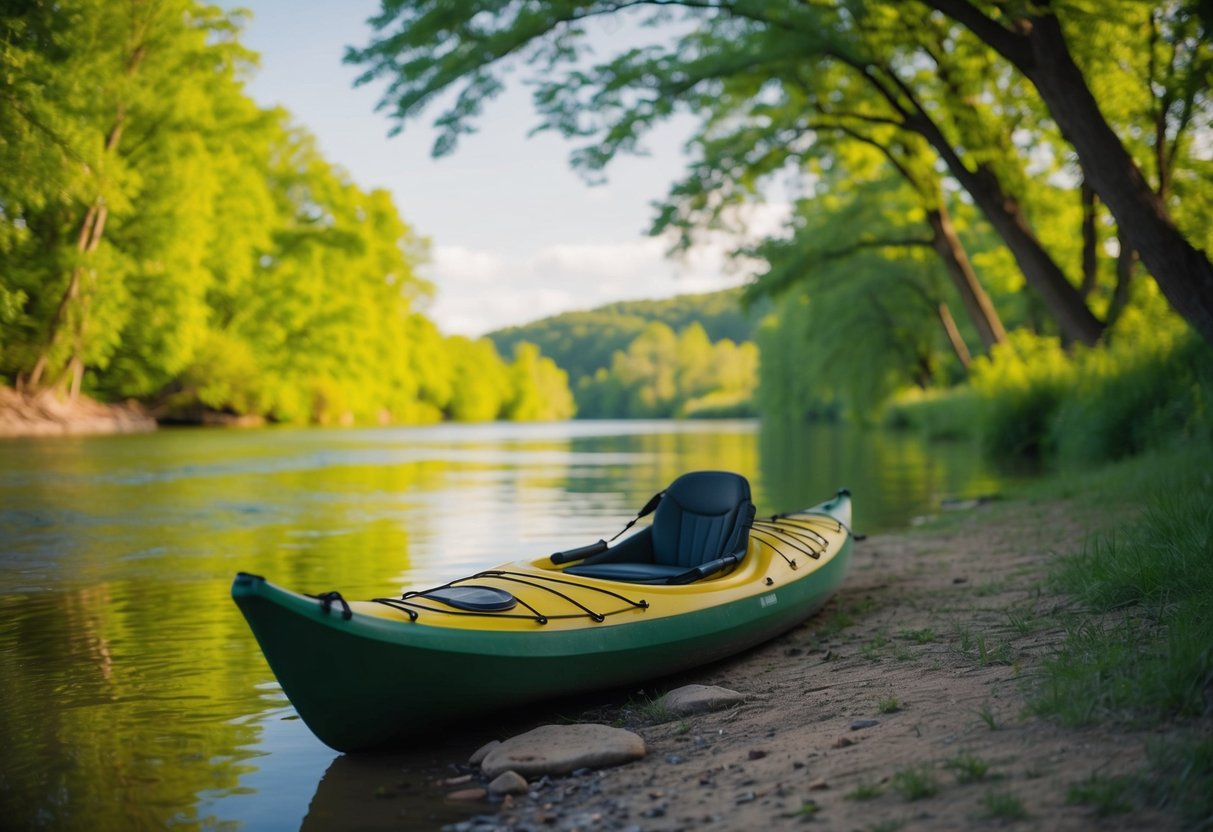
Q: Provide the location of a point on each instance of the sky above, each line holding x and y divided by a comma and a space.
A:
515, 235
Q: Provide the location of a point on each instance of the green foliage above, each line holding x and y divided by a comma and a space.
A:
865, 791
166, 239
915, 782
937, 413
1020, 386
1144, 652
885, 117
1136, 651
1003, 806
583, 343
1182, 777
967, 768
1105, 795
540, 388
1152, 385
663, 374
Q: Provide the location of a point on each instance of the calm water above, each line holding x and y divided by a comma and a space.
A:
132, 694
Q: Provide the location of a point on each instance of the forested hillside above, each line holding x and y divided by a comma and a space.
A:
690, 355
166, 239
583, 341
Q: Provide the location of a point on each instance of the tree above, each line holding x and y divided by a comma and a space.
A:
540, 389
98, 145
1033, 39
930, 77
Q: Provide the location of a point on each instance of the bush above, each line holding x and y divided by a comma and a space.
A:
1140, 393
1020, 386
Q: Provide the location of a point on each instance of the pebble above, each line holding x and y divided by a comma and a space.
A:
698, 699
756, 754
843, 742
864, 723
478, 756
468, 795
509, 782
562, 749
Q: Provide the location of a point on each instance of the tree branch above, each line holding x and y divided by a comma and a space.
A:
1014, 47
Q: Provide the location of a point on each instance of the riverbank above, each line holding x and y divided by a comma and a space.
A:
912, 702
46, 414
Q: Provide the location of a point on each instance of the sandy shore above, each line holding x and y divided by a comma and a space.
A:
933, 645
49, 415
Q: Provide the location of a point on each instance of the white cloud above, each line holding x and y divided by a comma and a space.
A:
479, 291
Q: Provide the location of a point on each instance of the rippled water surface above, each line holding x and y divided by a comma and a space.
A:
132, 694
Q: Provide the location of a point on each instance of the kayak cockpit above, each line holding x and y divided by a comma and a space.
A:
701, 526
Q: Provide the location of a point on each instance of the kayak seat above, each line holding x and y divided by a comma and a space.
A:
701, 525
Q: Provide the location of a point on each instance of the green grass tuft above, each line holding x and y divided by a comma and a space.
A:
1142, 650
1003, 806
915, 783
967, 768
1105, 795
865, 791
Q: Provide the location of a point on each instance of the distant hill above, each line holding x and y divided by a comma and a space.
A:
581, 342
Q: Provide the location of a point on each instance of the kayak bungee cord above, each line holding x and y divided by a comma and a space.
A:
410, 607
797, 543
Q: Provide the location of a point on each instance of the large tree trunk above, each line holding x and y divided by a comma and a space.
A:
976, 302
1038, 49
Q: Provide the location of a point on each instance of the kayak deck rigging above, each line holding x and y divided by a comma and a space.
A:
410, 607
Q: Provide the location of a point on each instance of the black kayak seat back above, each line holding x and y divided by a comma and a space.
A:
702, 518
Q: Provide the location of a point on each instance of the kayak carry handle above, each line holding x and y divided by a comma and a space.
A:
570, 555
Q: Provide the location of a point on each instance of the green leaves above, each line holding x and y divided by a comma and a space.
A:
170, 240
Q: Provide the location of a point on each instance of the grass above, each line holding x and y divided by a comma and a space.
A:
865, 791
888, 705
1105, 795
871, 650
1139, 649
1136, 646
923, 636
1003, 806
967, 768
1183, 779
915, 783
987, 716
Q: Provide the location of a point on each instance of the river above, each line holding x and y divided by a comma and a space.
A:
132, 694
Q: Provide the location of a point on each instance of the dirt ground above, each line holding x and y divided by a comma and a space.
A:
49, 414
934, 641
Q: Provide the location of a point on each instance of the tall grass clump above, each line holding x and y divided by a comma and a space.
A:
1150, 387
1143, 650
1020, 386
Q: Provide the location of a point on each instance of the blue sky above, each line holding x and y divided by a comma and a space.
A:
515, 235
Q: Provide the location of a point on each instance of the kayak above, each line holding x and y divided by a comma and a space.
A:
705, 580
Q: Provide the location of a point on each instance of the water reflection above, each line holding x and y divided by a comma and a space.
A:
132, 695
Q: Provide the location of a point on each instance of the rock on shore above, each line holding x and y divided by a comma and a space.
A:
46, 414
